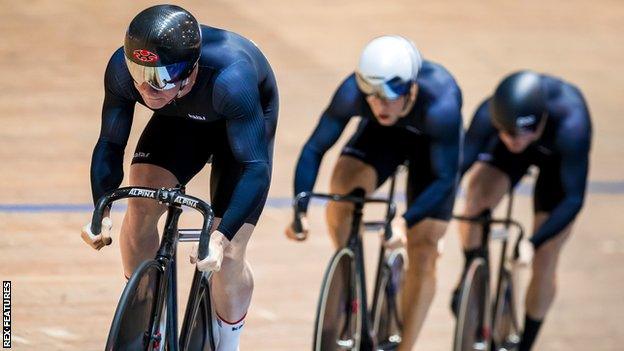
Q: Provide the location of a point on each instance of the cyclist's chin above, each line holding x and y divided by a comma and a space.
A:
387, 120
156, 103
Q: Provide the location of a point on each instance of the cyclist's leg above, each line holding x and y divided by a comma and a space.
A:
369, 158
138, 238
158, 162
543, 284
419, 286
232, 286
349, 173
423, 244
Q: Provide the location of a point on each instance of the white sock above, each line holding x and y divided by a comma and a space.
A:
228, 334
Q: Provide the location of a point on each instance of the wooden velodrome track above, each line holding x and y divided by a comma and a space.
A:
52, 59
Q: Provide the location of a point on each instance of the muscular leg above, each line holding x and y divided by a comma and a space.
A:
349, 173
543, 285
232, 286
139, 235
420, 279
486, 187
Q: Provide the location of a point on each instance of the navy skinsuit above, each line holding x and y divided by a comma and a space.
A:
561, 153
429, 138
230, 115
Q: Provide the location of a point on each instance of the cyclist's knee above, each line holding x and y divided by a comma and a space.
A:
486, 186
144, 210
350, 173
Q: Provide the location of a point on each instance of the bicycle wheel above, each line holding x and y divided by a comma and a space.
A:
472, 326
197, 325
387, 321
338, 316
505, 330
135, 316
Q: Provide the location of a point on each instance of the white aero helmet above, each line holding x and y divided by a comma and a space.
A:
388, 67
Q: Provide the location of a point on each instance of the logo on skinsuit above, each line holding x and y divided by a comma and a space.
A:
141, 154
197, 117
145, 55
185, 201
143, 193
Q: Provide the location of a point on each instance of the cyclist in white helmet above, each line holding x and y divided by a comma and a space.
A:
410, 111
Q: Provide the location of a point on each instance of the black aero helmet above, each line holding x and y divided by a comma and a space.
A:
519, 103
162, 46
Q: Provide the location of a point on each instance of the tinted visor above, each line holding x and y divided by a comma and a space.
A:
159, 77
389, 90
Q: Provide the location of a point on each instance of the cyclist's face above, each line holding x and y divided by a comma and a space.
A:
387, 112
156, 99
518, 142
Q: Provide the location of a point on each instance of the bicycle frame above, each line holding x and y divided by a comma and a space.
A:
166, 254
354, 243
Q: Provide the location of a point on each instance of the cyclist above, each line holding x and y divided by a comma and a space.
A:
410, 110
531, 119
214, 95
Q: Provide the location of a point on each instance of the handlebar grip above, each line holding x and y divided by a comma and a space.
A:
297, 225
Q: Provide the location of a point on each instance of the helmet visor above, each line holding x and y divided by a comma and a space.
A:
159, 77
388, 90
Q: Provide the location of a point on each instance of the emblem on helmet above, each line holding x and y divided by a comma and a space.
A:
145, 55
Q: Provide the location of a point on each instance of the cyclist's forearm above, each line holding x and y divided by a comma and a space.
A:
307, 172
559, 218
106, 168
429, 200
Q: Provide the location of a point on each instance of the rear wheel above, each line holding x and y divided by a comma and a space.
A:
338, 318
472, 331
133, 327
387, 321
506, 331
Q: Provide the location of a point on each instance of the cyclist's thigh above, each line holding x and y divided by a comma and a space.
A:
491, 177
372, 154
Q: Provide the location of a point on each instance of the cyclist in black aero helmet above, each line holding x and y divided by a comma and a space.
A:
214, 96
531, 119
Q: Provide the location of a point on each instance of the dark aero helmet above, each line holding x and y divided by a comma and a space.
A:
162, 46
519, 103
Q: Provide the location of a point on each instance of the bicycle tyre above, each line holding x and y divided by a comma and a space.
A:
200, 333
387, 317
472, 327
338, 322
134, 317
506, 329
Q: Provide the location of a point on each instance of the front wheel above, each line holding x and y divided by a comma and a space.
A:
506, 331
197, 332
338, 317
472, 331
387, 317
133, 327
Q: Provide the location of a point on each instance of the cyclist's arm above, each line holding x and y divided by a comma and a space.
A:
478, 137
574, 142
444, 125
236, 96
107, 159
325, 135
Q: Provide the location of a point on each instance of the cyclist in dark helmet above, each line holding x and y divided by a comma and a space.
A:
410, 111
530, 119
214, 96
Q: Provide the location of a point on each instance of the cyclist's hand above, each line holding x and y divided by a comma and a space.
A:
301, 236
398, 239
527, 251
100, 240
216, 247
